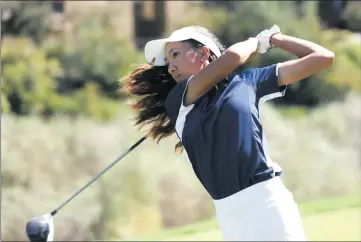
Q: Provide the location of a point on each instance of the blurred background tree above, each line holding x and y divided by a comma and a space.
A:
352, 15
26, 18
94, 52
28, 77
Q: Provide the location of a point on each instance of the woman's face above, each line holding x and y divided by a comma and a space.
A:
184, 61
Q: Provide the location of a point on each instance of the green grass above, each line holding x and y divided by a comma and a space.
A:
325, 219
330, 204
340, 225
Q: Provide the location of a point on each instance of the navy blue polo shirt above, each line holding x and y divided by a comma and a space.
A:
222, 133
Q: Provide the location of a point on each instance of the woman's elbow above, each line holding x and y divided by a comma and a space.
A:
328, 57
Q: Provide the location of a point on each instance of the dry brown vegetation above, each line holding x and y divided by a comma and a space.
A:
152, 188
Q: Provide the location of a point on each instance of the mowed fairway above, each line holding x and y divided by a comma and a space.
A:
334, 226
321, 223
342, 225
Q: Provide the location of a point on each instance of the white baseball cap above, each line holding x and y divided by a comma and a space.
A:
156, 48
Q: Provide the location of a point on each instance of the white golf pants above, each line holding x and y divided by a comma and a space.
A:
263, 212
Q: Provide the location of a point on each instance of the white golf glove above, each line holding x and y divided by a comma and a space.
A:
264, 44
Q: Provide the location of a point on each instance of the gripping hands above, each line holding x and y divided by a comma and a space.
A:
264, 42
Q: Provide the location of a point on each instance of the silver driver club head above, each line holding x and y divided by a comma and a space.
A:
40, 229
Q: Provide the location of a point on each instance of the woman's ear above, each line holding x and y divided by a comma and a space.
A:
205, 53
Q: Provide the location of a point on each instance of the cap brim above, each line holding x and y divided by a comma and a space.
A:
156, 49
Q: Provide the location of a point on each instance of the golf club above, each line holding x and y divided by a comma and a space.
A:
41, 228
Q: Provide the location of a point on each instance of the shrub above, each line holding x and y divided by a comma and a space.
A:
251, 17
93, 52
30, 85
212, 18
352, 15
28, 77
29, 19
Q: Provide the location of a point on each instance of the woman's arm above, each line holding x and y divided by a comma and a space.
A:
313, 58
219, 69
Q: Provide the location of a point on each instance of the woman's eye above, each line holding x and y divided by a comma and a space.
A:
175, 54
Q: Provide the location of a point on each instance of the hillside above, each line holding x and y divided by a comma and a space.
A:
44, 162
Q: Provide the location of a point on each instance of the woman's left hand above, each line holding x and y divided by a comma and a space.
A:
264, 39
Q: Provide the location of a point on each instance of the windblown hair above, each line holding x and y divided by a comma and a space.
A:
150, 85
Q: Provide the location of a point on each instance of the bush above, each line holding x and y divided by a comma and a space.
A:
251, 17
212, 18
345, 72
30, 85
92, 104
28, 77
322, 87
94, 52
31, 19
352, 15
5, 107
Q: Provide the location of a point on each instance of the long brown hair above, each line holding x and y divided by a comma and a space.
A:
150, 86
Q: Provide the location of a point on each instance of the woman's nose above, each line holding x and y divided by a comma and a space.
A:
171, 68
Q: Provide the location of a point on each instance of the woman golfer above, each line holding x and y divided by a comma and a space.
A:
191, 88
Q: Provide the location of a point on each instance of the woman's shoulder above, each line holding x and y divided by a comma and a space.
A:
177, 91
255, 74
241, 74
236, 76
